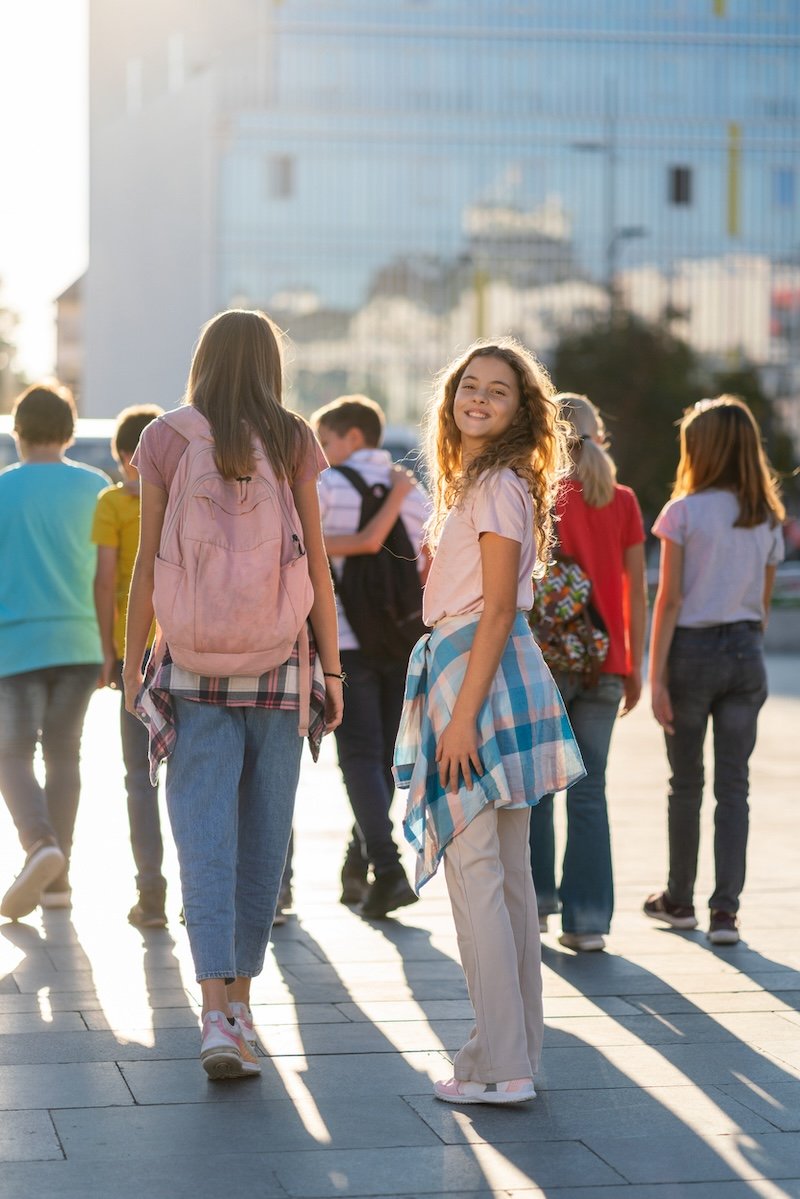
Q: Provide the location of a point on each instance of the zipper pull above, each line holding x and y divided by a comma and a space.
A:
298, 546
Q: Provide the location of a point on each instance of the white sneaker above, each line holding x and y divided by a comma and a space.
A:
44, 862
244, 1018
582, 942
498, 1094
224, 1052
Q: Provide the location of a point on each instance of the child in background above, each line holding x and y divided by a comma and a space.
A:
233, 739
484, 733
49, 645
115, 532
600, 527
721, 543
350, 431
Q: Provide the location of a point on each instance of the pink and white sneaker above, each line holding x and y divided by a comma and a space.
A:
516, 1090
224, 1051
244, 1018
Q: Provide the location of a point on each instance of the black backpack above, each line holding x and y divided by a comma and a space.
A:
381, 593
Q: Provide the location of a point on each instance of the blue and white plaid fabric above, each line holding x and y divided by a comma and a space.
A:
525, 741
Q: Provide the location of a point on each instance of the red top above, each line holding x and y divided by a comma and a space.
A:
597, 539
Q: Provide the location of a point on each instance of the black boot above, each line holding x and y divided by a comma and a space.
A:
389, 891
354, 874
149, 911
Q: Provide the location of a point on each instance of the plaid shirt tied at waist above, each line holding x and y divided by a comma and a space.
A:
525, 742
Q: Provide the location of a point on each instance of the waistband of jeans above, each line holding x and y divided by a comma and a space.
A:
734, 626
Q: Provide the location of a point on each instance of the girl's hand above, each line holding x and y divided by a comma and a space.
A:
334, 704
632, 684
662, 707
401, 480
132, 682
458, 751
108, 670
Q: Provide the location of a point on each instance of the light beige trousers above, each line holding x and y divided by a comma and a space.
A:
488, 874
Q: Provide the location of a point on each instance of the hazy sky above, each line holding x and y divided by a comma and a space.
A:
44, 164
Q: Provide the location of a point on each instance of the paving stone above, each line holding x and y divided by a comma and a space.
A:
128, 1134
28, 1137
195, 1177
34, 1022
78, 980
376, 1074
691, 1157
671, 1003
779, 1103
79, 1084
405, 1036
453, 1170
96, 1047
578, 1115
667, 1065
138, 1020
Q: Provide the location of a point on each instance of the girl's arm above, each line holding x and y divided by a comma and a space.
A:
323, 610
105, 580
370, 539
636, 597
140, 601
665, 617
769, 583
457, 749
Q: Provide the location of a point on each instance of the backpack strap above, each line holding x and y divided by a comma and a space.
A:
187, 421
355, 479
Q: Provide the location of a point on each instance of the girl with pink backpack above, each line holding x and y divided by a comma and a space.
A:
246, 662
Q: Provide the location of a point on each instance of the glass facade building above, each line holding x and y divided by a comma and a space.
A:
391, 178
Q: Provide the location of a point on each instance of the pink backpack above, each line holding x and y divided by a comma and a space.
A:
232, 591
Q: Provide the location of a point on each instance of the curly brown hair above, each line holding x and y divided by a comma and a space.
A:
535, 447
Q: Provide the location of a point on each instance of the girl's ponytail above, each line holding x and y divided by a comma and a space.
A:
593, 466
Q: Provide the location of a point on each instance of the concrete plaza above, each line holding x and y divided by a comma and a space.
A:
671, 1070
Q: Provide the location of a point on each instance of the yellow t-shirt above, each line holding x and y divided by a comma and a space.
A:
116, 523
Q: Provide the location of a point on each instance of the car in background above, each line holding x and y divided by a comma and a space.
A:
91, 444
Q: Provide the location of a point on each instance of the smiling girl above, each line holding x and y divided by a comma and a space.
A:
484, 733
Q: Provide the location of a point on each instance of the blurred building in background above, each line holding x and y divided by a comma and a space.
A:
390, 178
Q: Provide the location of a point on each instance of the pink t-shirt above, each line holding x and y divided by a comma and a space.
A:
161, 447
498, 502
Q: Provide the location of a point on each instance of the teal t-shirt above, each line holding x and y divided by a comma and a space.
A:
47, 566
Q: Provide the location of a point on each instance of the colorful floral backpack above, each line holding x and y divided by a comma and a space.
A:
568, 629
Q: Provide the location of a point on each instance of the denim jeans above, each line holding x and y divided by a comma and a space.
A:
586, 893
231, 783
46, 706
143, 817
365, 741
717, 672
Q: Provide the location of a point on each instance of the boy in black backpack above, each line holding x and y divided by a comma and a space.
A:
379, 599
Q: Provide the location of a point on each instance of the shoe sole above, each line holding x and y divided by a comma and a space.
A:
493, 1099
219, 1064
587, 947
683, 922
723, 938
24, 894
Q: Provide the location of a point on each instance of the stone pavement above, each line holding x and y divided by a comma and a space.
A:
670, 1070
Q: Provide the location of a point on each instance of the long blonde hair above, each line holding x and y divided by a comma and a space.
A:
721, 447
593, 466
236, 381
535, 447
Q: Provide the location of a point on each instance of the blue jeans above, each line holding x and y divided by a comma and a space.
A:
231, 783
46, 706
365, 743
143, 817
586, 894
717, 672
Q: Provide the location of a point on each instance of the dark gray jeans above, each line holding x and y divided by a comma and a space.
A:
715, 672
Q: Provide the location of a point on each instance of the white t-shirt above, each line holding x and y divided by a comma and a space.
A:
340, 509
498, 502
723, 566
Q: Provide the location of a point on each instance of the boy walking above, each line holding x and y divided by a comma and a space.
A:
350, 431
115, 532
49, 644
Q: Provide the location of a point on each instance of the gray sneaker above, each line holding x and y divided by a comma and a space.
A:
44, 862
